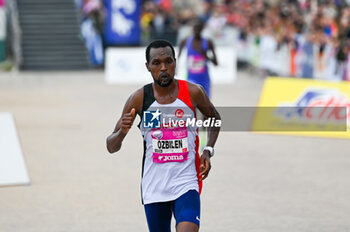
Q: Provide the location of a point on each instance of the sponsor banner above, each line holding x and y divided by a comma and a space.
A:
122, 25
127, 66
304, 107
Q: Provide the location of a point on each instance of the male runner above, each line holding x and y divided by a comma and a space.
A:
172, 168
197, 56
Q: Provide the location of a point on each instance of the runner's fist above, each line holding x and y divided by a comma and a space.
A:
205, 165
127, 121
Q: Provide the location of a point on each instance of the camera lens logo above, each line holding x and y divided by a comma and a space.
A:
151, 119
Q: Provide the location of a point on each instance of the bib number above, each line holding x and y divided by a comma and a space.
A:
170, 145
196, 64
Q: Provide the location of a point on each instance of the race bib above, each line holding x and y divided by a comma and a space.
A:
170, 145
196, 63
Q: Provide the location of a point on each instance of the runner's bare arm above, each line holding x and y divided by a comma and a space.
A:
212, 49
182, 45
201, 101
132, 107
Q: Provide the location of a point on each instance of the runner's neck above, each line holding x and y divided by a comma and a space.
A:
166, 95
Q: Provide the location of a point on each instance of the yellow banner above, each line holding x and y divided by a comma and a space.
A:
304, 107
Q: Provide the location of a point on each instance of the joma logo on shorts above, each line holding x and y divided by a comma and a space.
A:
170, 158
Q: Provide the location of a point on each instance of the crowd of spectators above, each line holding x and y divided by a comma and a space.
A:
302, 38
315, 33
163, 18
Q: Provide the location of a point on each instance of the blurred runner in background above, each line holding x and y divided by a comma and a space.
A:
198, 56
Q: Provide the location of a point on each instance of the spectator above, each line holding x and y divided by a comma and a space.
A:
94, 10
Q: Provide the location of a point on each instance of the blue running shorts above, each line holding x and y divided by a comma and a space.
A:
185, 208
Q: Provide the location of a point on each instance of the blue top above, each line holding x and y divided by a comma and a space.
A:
197, 65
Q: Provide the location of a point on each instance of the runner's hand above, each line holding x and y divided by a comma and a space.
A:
205, 165
204, 53
127, 121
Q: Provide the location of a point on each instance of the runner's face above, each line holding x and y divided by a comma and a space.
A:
162, 66
197, 29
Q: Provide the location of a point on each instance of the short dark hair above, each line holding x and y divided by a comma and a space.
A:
198, 22
161, 43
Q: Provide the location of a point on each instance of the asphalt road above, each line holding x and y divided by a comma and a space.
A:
258, 182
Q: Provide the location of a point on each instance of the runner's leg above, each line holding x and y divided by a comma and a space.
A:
159, 216
187, 212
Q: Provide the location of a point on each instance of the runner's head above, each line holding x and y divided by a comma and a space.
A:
158, 44
161, 62
198, 27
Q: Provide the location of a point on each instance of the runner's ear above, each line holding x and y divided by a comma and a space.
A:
147, 67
